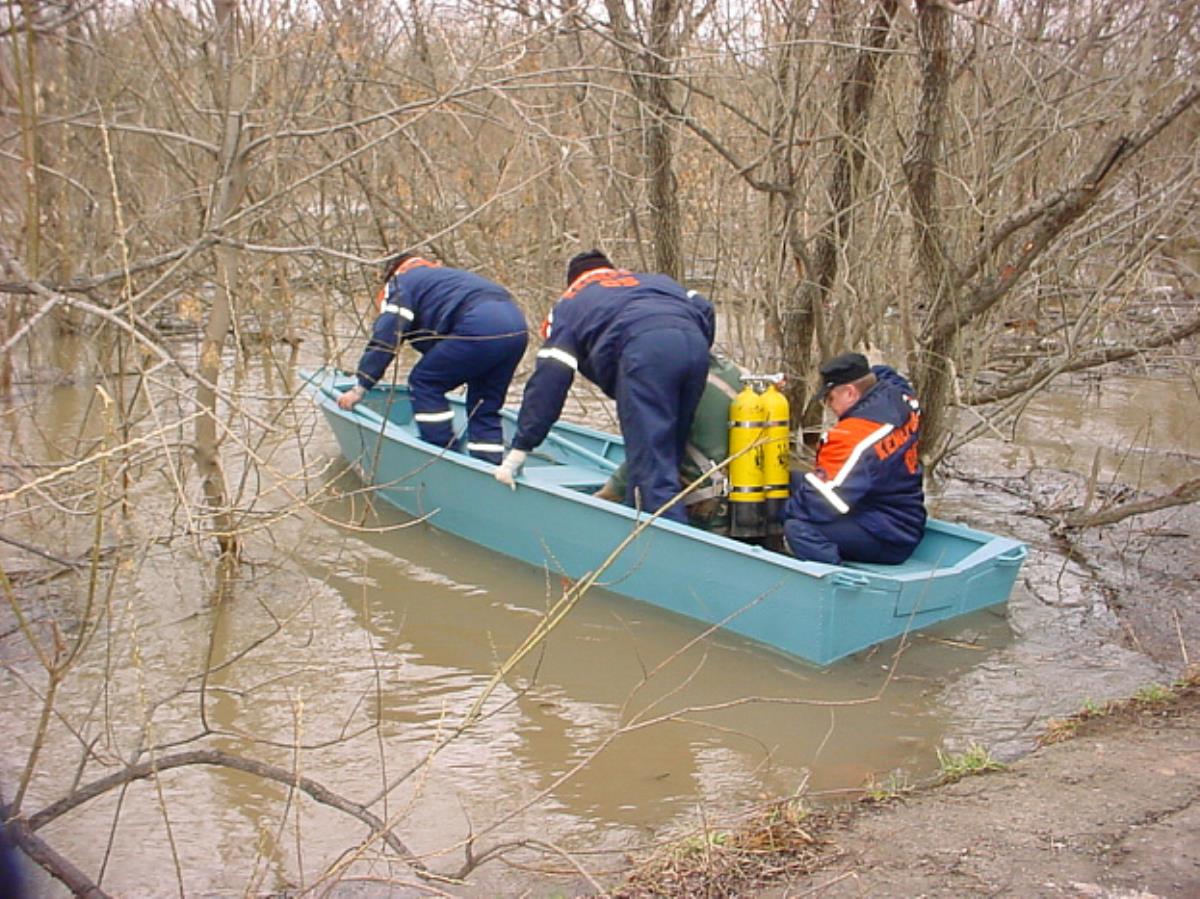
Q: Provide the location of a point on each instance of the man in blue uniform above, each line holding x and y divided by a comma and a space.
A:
468, 330
863, 501
644, 341
707, 506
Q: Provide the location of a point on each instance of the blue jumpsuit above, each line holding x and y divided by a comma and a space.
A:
644, 341
863, 501
468, 331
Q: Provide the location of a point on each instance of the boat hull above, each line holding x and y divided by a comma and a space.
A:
819, 613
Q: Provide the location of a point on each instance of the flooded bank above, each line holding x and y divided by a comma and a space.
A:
354, 642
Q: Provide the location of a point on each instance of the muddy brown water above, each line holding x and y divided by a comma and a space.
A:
352, 652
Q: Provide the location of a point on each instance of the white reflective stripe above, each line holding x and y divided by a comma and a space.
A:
559, 356
448, 415
485, 447
403, 311
826, 490
863, 445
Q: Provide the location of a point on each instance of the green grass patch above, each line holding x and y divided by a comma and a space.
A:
975, 760
894, 786
1154, 693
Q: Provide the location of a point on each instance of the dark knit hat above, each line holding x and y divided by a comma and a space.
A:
394, 263
585, 262
842, 370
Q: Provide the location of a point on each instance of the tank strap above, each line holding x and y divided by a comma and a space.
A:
719, 485
722, 386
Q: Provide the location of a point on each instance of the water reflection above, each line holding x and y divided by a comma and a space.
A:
722, 720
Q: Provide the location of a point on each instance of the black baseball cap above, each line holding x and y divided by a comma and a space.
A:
842, 370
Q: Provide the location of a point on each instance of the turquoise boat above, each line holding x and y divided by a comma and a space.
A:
816, 612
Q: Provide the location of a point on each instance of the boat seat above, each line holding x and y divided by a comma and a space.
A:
917, 564
903, 568
578, 476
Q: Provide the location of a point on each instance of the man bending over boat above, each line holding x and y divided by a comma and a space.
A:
707, 446
468, 331
863, 501
642, 339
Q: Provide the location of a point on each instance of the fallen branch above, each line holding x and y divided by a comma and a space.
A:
1187, 492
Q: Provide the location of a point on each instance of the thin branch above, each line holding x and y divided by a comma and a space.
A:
1091, 358
217, 758
1052, 216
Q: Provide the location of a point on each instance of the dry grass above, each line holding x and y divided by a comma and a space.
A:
1150, 701
780, 841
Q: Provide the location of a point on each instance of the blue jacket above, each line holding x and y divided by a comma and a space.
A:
586, 332
868, 466
420, 303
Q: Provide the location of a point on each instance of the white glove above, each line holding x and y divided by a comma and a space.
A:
506, 471
351, 397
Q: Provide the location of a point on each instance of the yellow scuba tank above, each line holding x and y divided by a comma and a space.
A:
776, 455
747, 428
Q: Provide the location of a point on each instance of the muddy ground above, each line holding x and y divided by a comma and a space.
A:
1110, 812
1104, 802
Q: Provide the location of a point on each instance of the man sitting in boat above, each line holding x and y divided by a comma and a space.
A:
707, 446
468, 331
642, 339
863, 501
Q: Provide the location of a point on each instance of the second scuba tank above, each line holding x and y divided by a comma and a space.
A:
776, 456
747, 430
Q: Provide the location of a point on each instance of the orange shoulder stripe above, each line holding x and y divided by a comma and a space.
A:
845, 442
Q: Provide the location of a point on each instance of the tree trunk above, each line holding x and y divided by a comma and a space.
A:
229, 189
664, 193
804, 324
933, 372
650, 72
